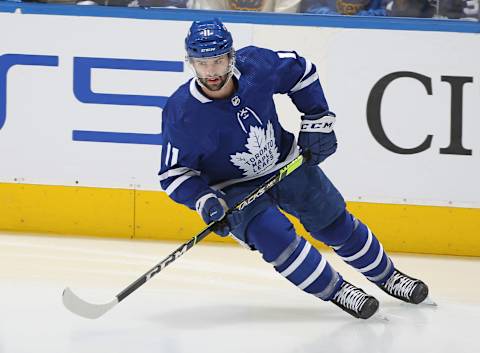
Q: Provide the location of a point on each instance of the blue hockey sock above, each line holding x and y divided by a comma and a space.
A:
271, 233
355, 243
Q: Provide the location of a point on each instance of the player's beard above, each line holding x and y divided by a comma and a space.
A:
214, 86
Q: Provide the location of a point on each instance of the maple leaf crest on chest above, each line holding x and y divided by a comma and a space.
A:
262, 152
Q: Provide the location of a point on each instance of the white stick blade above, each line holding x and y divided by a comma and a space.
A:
82, 308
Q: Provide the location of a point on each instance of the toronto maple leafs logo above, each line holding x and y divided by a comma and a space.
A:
262, 151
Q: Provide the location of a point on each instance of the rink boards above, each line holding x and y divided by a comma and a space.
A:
80, 115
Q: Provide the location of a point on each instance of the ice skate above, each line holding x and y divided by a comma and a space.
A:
406, 288
355, 301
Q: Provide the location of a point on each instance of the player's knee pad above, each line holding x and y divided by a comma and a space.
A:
270, 232
338, 232
292, 256
363, 251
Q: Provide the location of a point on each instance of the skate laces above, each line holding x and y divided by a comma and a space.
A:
400, 285
350, 297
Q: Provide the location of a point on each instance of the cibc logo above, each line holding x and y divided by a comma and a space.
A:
82, 75
374, 120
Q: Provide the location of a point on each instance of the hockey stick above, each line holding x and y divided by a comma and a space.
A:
92, 311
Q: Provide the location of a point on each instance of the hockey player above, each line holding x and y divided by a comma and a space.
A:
222, 138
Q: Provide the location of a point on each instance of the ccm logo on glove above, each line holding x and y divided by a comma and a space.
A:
317, 137
324, 124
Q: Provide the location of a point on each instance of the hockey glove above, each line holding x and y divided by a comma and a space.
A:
212, 208
317, 136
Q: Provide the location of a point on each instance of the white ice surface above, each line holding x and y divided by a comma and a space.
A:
216, 298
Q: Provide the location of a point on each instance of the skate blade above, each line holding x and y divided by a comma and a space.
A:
428, 301
381, 317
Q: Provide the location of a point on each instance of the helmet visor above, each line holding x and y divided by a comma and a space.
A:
212, 67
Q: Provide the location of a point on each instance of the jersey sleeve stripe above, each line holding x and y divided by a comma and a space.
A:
177, 182
308, 69
176, 172
302, 84
174, 156
285, 55
167, 154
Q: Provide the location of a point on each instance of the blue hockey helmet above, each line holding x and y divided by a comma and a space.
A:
208, 39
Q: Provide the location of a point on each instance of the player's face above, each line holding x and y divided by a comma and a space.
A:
213, 73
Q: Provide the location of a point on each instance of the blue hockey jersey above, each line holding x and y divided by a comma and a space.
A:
211, 144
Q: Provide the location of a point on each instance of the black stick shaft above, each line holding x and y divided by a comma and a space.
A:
182, 249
